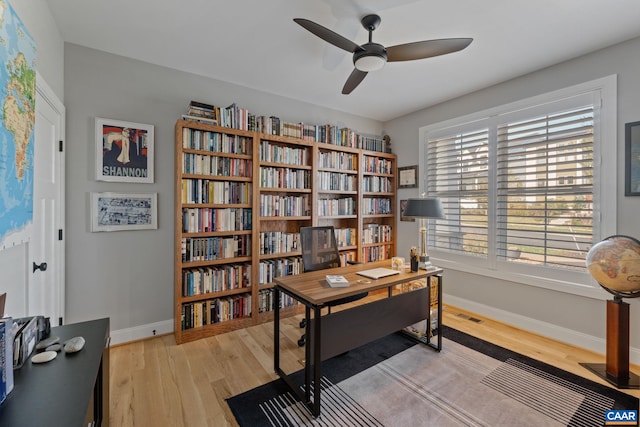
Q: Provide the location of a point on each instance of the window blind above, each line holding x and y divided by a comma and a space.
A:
544, 187
457, 173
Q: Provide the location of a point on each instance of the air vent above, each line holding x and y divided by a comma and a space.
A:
473, 319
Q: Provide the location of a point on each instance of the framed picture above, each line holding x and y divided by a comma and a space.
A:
124, 211
408, 177
632, 159
124, 151
403, 206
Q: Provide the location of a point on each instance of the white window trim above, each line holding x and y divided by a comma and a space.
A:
604, 188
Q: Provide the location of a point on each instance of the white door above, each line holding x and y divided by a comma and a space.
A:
46, 248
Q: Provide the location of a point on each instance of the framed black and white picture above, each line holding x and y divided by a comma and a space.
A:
123, 211
408, 177
124, 151
632, 159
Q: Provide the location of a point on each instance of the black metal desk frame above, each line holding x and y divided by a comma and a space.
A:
314, 350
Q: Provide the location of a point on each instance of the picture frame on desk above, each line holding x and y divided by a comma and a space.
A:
123, 211
632, 159
408, 177
124, 151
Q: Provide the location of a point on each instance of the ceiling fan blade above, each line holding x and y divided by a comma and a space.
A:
328, 35
353, 81
425, 49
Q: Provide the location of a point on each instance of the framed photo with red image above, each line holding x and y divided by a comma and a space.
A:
124, 151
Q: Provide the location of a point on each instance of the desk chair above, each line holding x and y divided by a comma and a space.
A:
319, 252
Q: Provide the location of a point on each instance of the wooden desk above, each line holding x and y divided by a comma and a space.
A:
335, 333
71, 390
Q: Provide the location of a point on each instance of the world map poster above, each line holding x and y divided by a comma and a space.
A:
17, 98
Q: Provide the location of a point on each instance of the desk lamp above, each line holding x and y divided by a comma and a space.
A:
424, 208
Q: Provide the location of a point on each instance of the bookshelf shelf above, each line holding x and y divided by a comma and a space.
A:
270, 185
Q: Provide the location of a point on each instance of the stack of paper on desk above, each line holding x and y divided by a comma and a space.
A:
337, 281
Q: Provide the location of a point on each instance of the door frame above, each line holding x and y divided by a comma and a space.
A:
46, 94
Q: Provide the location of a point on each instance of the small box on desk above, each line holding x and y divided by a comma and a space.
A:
6, 357
25, 340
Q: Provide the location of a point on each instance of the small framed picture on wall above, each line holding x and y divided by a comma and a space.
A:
408, 177
632, 159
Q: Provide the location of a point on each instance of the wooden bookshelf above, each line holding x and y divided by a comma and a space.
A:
240, 200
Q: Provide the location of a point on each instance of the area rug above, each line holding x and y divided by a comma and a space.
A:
392, 382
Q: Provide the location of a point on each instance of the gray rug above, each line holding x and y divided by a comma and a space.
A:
459, 386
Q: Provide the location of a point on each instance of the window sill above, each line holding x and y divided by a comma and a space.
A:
588, 288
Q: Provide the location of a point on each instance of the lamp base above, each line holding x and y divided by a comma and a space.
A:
425, 264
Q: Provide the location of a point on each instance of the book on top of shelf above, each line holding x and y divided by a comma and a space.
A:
201, 105
200, 119
336, 281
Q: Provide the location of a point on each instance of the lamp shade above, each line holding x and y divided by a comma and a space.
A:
424, 208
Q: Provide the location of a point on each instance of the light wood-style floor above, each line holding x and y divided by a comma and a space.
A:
157, 383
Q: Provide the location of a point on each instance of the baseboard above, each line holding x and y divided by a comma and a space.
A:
550, 330
141, 332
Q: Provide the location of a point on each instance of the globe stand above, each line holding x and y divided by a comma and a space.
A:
616, 370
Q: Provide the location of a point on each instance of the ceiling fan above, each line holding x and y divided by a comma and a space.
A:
372, 56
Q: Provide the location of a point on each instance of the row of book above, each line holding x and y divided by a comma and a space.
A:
377, 184
206, 191
345, 237
280, 267
334, 181
266, 300
237, 117
198, 281
271, 177
377, 165
203, 164
204, 220
336, 207
376, 253
196, 139
213, 248
376, 233
201, 313
277, 242
337, 160
376, 206
276, 153
284, 205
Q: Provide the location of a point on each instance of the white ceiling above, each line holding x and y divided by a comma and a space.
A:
255, 43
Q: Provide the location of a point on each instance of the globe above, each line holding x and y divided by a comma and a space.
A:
615, 264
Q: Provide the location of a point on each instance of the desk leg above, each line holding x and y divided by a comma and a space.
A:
276, 329
307, 355
316, 361
438, 346
439, 312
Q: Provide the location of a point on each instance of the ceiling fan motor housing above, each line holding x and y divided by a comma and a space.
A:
371, 57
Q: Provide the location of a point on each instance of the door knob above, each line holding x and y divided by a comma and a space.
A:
41, 267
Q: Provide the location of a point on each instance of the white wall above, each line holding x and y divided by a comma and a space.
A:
576, 319
128, 276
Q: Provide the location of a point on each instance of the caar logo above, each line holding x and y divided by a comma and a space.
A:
622, 417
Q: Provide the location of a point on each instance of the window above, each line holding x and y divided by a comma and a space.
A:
518, 188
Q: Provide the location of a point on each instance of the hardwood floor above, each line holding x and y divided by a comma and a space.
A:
158, 383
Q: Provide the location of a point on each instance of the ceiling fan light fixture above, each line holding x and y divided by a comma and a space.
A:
370, 63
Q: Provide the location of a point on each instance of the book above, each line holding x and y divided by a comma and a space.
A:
6, 357
337, 281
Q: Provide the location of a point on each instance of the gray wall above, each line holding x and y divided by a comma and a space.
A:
128, 275
500, 298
